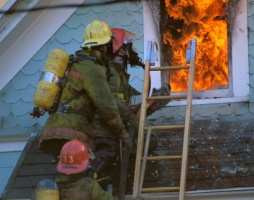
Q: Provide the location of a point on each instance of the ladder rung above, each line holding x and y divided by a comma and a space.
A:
163, 68
166, 127
164, 157
160, 189
167, 97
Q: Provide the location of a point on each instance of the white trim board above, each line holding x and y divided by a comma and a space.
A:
12, 146
209, 101
14, 143
31, 30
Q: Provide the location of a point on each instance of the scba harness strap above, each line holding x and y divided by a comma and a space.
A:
64, 108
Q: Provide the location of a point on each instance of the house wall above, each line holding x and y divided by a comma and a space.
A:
16, 98
7, 167
218, 108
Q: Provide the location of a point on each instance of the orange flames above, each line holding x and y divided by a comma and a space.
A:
204, 20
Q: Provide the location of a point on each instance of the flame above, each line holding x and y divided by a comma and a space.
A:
204, 20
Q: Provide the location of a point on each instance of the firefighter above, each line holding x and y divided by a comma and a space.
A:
74, 181
124, 53
86, 91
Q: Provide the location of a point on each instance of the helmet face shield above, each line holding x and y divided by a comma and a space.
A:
124, 50
133, 58
121, 37
128, 54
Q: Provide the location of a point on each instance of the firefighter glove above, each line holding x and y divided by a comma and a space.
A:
134, 122
124, 136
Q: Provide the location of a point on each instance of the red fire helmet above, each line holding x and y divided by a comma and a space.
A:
74, 158
121, 37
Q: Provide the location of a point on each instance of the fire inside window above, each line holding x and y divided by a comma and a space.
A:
207, 21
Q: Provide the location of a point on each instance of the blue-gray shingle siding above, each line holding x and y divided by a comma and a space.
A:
16, 99
6, 168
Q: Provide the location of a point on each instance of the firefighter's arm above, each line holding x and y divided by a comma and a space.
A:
114, 82
96, 86
127, 114
128, 117
154, 105
149, 103
95, 190
98, 90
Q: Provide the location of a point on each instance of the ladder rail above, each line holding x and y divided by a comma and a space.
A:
143, 166
187, 121
141, 129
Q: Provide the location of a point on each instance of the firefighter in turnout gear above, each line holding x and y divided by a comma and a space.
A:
86, 91
73, 179
105, 140
124, 54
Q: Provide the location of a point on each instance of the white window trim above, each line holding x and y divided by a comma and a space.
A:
240, 64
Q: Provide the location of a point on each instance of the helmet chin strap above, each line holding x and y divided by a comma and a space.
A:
103, 49
121, 56
105, 58
125, 62
122, 60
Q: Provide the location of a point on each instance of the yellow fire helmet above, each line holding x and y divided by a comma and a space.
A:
96, 33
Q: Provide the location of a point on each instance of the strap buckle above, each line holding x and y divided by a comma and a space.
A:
63, 108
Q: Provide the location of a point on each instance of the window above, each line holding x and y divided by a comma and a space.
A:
238, 78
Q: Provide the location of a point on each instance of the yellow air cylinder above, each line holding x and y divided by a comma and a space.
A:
49, 83
47, 190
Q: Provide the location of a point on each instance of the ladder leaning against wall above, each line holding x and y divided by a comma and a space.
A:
142, 148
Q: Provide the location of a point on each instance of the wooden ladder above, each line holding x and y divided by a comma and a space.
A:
142, 156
